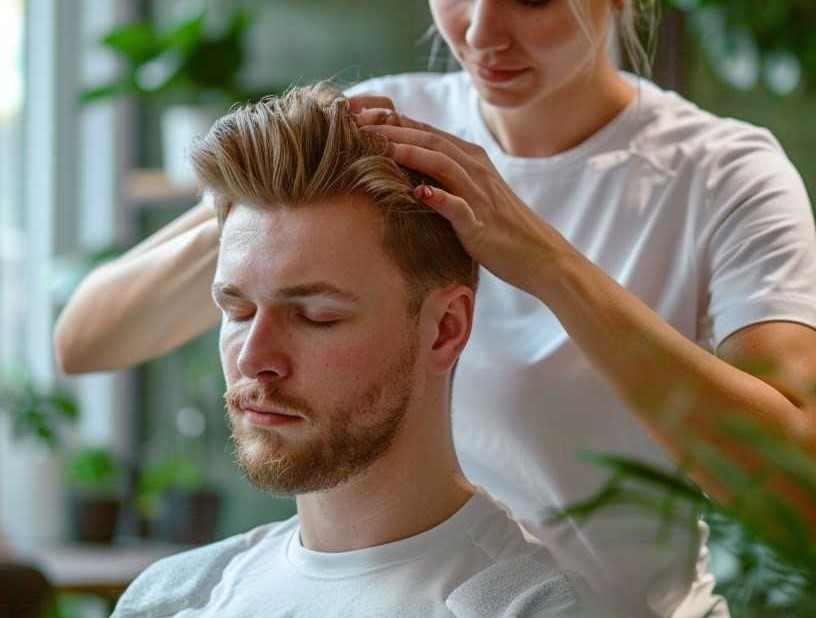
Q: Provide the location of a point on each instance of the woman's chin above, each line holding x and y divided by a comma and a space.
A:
503, 98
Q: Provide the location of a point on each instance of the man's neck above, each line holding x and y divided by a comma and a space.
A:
405, 492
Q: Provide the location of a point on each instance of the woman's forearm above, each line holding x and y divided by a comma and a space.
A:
688, 398
201, 212
145, 303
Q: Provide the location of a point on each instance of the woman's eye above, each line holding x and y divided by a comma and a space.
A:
236, 317
534, 2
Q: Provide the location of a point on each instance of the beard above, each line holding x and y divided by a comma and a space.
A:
350, 438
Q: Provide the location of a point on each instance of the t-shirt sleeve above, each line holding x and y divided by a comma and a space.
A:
368, 86
760, 240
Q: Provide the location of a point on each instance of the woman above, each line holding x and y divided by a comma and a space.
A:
635, 249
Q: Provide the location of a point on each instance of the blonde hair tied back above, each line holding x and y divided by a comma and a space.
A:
635, 19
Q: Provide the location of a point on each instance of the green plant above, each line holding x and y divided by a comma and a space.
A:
35, 412
774, 34
186, 64
773, 558
173, 473
95, 471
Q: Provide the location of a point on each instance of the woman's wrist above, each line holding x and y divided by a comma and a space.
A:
556, 264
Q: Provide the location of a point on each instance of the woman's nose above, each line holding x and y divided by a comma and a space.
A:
263, 354
486, 31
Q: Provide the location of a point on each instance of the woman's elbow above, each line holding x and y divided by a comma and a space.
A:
68, 358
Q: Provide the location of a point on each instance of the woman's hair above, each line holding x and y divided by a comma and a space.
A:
305, 146
635, 22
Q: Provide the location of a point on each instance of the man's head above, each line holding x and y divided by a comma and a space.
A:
345, 302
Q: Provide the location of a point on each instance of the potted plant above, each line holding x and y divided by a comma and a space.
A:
175, 499
762, 541
36, 413
191, 70
95, 480
32, 420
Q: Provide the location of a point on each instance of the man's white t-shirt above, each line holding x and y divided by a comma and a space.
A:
704, 219
475, 564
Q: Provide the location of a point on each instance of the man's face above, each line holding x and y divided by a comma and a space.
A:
338, 365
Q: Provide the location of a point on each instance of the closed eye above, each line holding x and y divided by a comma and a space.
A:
238, 318
533, 2
318, 323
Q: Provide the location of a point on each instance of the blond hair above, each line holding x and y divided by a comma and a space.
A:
636, 27
305, 146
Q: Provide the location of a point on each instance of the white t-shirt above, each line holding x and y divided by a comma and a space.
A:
707, 221
476, 564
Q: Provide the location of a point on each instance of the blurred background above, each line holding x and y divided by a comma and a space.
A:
101, 474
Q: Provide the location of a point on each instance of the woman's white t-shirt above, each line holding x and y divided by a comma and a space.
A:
707, 221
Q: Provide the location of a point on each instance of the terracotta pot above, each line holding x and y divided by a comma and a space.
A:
93, 519
188, 517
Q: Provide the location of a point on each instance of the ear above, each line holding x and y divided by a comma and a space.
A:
447, 319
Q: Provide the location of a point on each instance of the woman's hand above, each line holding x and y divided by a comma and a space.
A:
364, 102
495, 227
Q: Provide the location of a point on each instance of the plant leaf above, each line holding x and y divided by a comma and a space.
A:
138, 42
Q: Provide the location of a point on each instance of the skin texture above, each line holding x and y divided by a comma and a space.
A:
369, 390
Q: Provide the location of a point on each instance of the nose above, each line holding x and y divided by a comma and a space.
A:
485, 31
262, 356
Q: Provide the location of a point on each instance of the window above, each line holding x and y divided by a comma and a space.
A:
12, 285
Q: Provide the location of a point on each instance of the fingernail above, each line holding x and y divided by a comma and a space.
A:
425, 192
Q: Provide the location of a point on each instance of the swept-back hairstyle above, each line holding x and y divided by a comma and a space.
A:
305, 146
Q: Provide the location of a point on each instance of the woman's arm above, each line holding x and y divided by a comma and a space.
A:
145, 303
693, 403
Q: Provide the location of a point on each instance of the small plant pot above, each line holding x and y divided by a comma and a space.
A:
93, 519
188, 517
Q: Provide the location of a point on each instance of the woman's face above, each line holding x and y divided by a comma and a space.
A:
521, 51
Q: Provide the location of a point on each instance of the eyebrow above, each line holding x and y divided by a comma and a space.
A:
307, 290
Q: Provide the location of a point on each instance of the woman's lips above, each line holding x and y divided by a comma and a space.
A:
498, 75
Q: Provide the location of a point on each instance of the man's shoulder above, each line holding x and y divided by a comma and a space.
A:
529, 581
520, 577
186, 579
525, 586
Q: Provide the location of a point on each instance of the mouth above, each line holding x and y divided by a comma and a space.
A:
267, 417
497, 75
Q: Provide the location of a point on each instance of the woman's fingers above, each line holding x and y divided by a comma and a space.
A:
388, 116
377, 116
423, 139
453, 208
392, 118
437, 165
366, 101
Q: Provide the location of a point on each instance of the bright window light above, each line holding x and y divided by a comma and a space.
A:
11, 79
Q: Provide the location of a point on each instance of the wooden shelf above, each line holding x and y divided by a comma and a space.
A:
151, 186
97, 569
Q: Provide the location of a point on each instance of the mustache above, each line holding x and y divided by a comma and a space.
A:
241, 395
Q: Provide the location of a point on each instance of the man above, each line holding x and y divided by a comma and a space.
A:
345, 306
